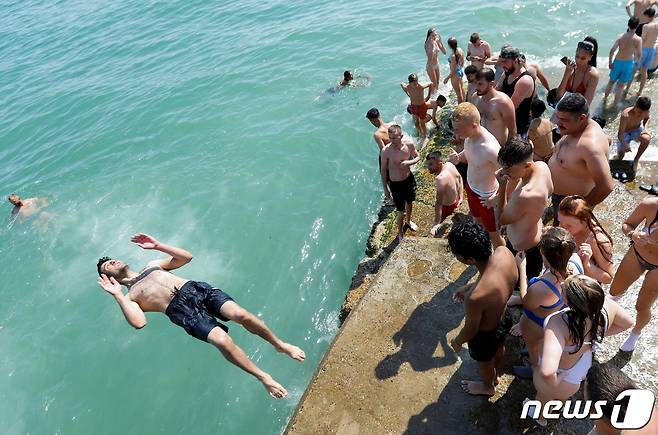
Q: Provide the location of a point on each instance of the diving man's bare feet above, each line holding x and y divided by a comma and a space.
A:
477, 388
292, 351
275, 389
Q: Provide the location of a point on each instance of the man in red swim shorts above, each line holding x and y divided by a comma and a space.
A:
449, 188
418, 107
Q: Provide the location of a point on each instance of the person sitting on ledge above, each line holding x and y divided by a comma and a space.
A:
192, 305
485, 323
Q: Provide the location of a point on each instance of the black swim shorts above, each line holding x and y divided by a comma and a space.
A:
195, 307
534, 262
403, 191
485, 344
555, 201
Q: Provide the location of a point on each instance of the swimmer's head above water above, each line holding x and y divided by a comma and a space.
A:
347, 76
111, 267
15, 200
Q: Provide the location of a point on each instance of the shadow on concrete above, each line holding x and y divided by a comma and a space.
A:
621, 358
424, 330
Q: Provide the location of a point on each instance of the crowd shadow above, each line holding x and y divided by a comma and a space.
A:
425, 329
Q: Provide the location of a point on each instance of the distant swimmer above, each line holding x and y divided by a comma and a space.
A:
456, 75
449, 188
627, 45
433, 44
26, 208
485, 323
633, 123
418, 102
519, 85
649, 37
580, 75
349, 80
496, 109
540, 133
579, 165
192, 305
397, 159
478, 51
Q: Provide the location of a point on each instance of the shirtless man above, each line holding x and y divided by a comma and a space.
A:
639, 6
25, 208
485, 323
192, 305
540, 133
381, 135
478, 51
496, 109
536, 72
481, 153
471, 78
649, 36
579, 165
418, 107
449, 187
627, 45
397, 159
521, 210
633, 126
518, 84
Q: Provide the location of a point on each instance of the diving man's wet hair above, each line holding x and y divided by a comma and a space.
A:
100, 263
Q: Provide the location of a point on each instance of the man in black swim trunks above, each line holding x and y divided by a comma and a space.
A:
397, 158
193, 305
486, 323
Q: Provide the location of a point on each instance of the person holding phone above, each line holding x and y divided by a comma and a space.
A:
580, 75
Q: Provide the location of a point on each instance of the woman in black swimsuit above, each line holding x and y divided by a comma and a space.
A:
642, 256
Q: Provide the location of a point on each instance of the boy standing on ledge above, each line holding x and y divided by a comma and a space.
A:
484, 302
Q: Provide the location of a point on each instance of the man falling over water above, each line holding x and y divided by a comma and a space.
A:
192, 305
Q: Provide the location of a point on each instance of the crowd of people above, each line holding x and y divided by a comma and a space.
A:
510, 162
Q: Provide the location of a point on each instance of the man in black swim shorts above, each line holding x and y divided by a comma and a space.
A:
484, 302
193, 305
397, 159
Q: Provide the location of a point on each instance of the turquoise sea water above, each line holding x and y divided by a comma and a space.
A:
198, 122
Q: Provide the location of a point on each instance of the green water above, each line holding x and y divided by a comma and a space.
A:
198, 122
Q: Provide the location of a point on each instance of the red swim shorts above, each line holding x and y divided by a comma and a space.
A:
485, 214
447, 210
418, 110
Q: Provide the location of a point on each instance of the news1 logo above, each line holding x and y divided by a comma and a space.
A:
631, 410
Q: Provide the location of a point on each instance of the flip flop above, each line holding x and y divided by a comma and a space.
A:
651, 189
615, 175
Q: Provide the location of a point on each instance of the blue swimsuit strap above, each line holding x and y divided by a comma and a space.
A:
552, 287
575, 263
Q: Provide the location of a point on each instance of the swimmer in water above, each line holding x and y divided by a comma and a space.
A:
349, 81
26, 208
193, 305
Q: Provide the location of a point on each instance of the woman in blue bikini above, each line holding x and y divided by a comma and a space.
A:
542, 295
456, 70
